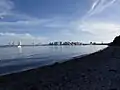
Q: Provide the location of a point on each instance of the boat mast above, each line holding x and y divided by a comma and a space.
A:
19, 43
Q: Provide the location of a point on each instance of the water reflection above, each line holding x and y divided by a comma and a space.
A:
20, 49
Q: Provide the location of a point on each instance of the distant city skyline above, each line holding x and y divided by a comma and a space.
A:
12, 43
43, 21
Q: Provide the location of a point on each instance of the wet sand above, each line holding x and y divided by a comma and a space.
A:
97, 71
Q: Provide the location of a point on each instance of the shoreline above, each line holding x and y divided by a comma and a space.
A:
99, 70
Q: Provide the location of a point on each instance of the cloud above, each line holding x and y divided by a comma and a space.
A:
25, 38
100, 27
9, 31
6, 7
56, 28
98, 6
34, 26
89, 31
13, 21
94, 6
7, 34
101, 30
24, 23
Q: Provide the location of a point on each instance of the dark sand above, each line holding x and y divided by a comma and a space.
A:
97, 71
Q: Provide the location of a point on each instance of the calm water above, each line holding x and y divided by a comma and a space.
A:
13, 59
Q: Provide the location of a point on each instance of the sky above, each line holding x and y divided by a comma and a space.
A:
42, 21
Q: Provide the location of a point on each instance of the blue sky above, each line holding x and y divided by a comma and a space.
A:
59, 20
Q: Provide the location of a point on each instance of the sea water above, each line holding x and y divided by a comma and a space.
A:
14, 59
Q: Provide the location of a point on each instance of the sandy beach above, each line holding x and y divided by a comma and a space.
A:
97, 71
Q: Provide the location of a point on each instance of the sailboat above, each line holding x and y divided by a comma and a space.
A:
19, 44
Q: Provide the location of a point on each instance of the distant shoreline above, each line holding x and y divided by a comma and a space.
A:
45, 45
